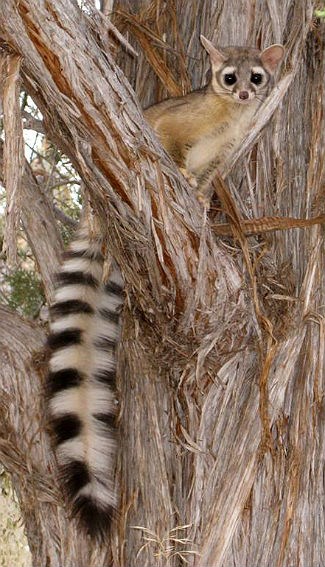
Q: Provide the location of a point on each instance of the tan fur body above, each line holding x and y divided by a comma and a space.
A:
201, 129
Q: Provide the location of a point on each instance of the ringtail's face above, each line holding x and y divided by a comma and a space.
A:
243, 73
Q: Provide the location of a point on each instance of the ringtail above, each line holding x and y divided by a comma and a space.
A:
199, 131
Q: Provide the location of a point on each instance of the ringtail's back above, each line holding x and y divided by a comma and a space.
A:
200, 131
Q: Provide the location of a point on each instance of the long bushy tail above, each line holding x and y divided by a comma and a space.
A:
81, 383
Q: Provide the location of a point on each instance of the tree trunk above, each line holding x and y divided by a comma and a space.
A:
221, 362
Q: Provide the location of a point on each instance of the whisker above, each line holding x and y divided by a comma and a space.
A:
223, 93
260, 97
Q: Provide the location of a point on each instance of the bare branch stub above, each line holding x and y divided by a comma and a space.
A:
14, 160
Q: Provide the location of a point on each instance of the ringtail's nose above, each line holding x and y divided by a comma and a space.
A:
243, 95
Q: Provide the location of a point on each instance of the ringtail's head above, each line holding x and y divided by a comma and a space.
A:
243, 73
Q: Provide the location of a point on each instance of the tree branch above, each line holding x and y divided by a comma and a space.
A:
40, 226
154, 221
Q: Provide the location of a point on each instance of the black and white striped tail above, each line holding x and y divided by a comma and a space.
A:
81, 383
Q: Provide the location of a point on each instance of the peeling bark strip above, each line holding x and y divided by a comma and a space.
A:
267, 224
14, 158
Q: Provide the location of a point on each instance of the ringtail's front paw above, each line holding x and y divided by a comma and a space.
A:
204, 199
189, 177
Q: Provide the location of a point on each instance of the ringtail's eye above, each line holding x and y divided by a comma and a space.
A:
230, 78
256, 78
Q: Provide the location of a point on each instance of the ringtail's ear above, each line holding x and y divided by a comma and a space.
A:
272, 56
216, 57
